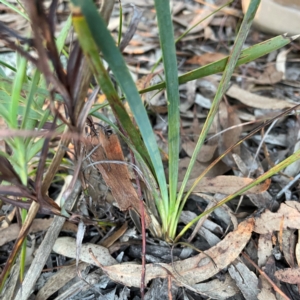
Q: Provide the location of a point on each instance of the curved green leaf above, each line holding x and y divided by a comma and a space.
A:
167, 43
246, 56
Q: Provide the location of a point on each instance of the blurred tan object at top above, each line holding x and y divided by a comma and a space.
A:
277, 16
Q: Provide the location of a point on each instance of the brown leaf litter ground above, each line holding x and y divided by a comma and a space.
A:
250, 247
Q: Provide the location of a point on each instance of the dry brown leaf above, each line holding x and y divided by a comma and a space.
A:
269, 222
265, 248
180, 21
11, 233
133, 50
199, 15
288, 246
209, 34
115, 175
257, 101
59, 280
218, 169
229, 119
291, 276
269, 76
205, 58
144, 81
206, 154
191, 270
66, 246
226, 185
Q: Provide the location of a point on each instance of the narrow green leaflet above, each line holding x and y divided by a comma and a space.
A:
28, 123
61, 39
167, 43
16, 91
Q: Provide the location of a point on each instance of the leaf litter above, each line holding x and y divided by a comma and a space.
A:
259, 89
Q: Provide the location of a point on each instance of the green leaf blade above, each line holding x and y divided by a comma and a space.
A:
167, 43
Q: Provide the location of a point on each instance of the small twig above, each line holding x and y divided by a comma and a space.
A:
170, 287
261, 272
95, 259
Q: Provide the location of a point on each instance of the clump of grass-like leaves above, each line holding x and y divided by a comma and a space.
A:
94, 37
23, 99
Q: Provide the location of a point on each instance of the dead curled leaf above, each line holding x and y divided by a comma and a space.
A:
206, 154
115, 175
289, 213
205, 58
192, 270
67, 246
257, 101
291, 276
225, 185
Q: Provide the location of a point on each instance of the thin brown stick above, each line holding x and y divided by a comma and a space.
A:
261, 272
170, 287
95, 259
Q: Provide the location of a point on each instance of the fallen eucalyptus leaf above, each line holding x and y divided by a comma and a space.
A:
192, 270
288, 214
67, 246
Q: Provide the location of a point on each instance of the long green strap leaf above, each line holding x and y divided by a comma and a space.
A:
246, 56
98, 69
167, 43
61, 39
